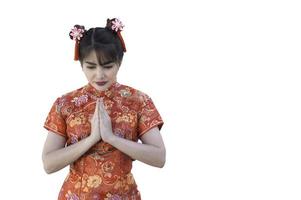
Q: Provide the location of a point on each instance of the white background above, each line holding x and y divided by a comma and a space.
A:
224, 75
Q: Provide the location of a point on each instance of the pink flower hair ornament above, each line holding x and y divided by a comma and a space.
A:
76, 33
116, 26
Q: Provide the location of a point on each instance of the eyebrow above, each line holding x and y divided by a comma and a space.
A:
91, 63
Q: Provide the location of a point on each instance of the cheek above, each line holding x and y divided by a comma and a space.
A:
89, 74
111, 73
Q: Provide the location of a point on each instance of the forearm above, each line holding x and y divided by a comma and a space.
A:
146, 153
56, 160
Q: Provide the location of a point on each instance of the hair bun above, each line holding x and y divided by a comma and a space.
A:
77, 32
114, 25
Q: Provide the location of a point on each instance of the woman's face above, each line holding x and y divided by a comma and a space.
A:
99, 72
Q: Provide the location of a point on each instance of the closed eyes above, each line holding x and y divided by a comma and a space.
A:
106, 67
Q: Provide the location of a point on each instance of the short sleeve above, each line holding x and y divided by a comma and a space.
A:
148, 116
55, 122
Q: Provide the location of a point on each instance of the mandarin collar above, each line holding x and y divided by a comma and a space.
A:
94, 93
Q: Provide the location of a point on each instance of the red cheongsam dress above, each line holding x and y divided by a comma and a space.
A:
103, 172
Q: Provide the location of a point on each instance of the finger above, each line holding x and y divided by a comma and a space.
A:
96, 106
99, 111
96, 113
101, 106
100, 102
102, 112
103, 109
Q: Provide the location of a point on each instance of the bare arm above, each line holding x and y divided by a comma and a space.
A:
151, 151
56, 156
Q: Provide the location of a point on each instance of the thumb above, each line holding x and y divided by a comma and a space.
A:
96, 107
101, 110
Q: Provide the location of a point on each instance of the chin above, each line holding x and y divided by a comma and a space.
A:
100, 87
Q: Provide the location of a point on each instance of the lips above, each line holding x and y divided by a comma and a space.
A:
101, 83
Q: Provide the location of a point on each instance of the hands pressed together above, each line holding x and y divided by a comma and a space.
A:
101, 126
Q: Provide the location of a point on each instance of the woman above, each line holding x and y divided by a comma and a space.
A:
95, 128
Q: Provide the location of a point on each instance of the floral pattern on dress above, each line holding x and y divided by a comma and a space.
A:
78, 101
71, 196
103, 172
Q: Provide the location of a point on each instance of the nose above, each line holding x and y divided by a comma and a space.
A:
100, 73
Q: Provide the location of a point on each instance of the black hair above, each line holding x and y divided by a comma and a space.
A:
105, 42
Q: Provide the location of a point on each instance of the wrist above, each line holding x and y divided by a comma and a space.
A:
111, 139
93, 139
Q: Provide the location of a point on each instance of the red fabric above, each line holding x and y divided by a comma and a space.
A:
103, 172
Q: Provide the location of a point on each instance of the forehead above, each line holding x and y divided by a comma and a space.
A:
99, 58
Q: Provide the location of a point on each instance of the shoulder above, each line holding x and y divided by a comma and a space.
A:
130, 91
65, 102
68, 96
